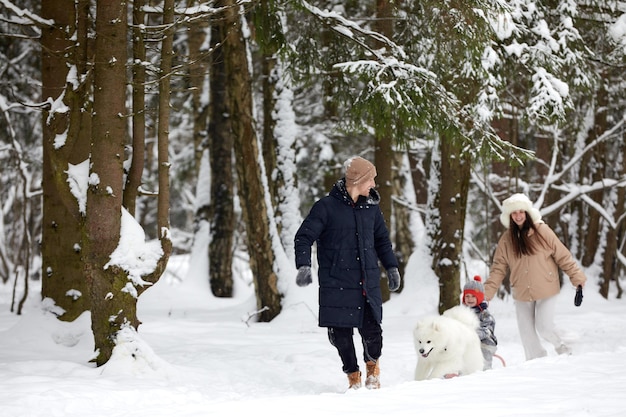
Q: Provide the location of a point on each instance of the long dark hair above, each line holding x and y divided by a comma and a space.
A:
522, 245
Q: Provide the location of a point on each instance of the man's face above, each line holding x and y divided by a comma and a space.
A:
364, 186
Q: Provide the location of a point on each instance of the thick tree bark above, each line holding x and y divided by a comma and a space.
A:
593, 169
221, 213
383, 153
111, 307
419, 161
612, 267
163, 202
451, 204
62, 278
277, 138
135, 172
383, 156
250, 184
404, 244
268, 64
198, 69
113, 292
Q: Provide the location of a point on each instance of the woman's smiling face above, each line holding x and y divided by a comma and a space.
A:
519, 217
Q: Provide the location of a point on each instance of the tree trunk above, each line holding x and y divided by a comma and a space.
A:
135, 172
163, 202
113, 291
383, 154
611, 266
419, 161
111, 308
250, 184
278, 132
198, 70
221, 213
403, 239
451, 205
594, 171
268, 64
267, 28
62, 277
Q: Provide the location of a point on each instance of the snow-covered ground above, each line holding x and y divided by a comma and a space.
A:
200, 356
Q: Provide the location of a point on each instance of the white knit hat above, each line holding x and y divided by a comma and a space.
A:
518, 202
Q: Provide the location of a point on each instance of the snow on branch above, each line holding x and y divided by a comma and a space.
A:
575, 191
614, 132
354, 32
550, 96
388, 75
400, 91
617, 31
24, 16
133, 254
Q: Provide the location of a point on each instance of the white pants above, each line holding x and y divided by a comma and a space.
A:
534, 319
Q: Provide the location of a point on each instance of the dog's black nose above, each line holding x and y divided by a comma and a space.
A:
422, 350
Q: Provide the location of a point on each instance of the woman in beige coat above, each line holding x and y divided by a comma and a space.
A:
532, 253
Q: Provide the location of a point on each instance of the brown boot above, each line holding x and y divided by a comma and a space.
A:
354, 380
373, 375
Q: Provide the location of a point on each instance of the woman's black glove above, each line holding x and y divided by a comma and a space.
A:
578, 298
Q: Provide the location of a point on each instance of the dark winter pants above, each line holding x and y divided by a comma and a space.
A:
371, 337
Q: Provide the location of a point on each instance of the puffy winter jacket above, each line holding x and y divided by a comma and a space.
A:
487, 329
533, 277
351, 238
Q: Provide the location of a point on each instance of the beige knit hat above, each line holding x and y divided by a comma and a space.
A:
518, 202
358, 169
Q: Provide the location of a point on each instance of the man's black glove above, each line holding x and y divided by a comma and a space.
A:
393, 278
578, 298
304, 276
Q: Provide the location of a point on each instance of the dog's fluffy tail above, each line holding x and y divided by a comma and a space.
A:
463, 314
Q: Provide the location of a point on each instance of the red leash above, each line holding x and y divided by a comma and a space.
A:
501, 359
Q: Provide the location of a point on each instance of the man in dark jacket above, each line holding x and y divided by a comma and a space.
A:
351, 238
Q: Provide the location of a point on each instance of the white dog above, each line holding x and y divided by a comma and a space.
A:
448, 345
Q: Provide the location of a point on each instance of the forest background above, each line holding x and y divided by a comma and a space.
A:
228, 119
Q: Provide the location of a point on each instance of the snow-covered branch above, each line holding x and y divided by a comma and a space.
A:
23, 16
354, 32
614, 133
575, 191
